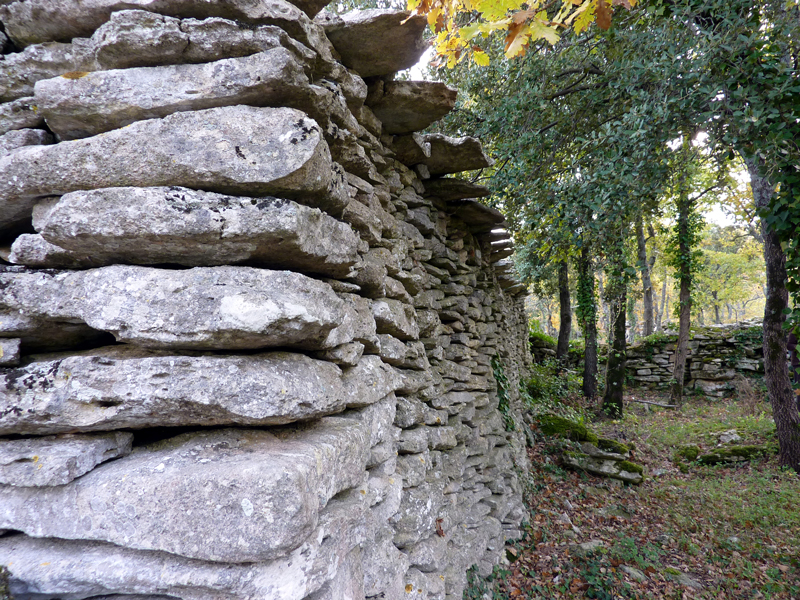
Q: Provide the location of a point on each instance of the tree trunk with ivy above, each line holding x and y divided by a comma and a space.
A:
617, 358
617, 297
565, 312
587, 318
776, 370
647, 284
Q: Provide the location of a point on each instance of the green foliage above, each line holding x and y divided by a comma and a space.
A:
547, 341
551, 388
556, 426
503, 405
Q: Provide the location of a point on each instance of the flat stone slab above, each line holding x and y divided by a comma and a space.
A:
378, 41
173, 225
408, 106
20, 138
411, 149
35, 21
241, 150
476, 214
450, 189
203, 308
126, 387
46, 334
33, 250
231, 495
57, 460
20, 114
453, 155
76, 107
52, 568
9, 351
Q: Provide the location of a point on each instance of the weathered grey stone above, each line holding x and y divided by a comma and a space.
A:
19, 71
453, 155
407, 106
450, 189
35, 21
378, 42
176, 496
20, 138
348, 582
9, 352
602, 466
411, 149
395, 318
384, 566
33, 250
138, 38
124, 387
57, 460
78, 107
429, 555
46, 334
477, 215
369, 381
193, 228
220, 307
357, 323
240, 150
50, 568
19, 114
416, 518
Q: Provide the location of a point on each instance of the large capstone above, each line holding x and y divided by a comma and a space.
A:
179, 495
81, 106
194, 228
205, 307
378, 42
126, 387
408, 106
35, 21
240, 150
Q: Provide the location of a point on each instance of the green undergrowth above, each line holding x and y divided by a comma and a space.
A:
726, 531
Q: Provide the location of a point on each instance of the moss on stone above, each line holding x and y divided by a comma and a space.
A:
630, 467
609, 445
554, 425
689, 453
732, 454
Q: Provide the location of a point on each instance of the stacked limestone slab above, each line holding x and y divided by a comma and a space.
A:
247, 316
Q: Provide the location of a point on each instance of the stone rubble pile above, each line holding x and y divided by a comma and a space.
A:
248, 315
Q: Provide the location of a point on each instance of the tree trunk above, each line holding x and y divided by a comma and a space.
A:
587, 316
776, 371
663, 302
647, 284
565, 312
716, 308
684, 231
617, 359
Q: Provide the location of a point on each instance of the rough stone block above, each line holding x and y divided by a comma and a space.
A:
35, 21
52, 568
395, 318
20, 138
377, 42
193, 228
176, 496
408, 106
124, 387
57, 460
9, 351
239, 150
453, 155
204, 307
19, 114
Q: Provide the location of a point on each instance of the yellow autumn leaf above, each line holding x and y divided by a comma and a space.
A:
433, 16
539, 30
516, 47
481, 58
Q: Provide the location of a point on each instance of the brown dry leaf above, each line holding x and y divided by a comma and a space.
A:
514, 30
603, 14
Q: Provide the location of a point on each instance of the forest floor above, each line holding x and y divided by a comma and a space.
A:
711, 532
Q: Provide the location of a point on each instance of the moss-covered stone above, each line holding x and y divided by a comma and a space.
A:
610, 445
554, 425
732, 454
689, 453
630, 467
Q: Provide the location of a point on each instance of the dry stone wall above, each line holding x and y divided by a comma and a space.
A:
247, 318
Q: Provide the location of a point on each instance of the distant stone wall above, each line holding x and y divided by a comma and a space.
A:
247, 322
716, 354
